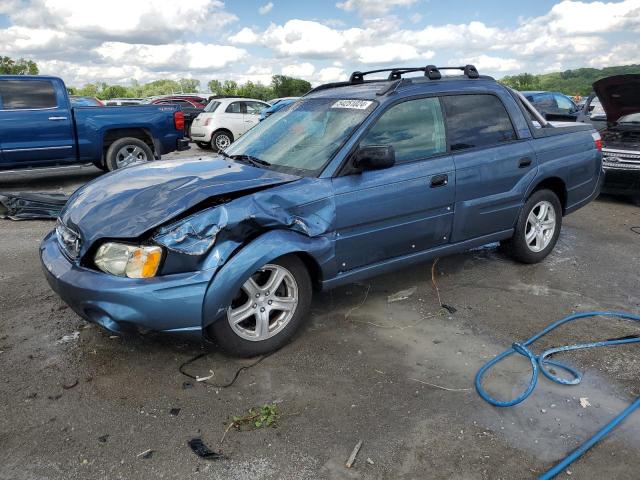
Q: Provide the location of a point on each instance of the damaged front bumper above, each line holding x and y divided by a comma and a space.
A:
170, 303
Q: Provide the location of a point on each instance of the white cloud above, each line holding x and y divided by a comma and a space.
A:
372, 8
303, 37
390, 52
266, 8
495, 64
300, 70
176, 57
246, 36
331, 74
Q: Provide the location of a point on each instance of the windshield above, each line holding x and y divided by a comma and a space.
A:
211, 106
303, 137
632, 118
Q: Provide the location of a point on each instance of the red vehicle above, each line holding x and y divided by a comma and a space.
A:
191, 105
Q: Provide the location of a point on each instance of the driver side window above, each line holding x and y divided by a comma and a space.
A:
414, 128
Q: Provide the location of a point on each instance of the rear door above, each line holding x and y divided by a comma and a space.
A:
252, 113
35, 123
493, 166
403, 209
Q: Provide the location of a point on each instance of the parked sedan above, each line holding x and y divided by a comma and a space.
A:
553, 105
276, 107
224, 120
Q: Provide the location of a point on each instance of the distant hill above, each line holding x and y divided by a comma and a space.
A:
570, 82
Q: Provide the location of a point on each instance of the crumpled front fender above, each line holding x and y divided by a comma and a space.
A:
227, 281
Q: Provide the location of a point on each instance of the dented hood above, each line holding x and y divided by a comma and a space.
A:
129, 202
619, 95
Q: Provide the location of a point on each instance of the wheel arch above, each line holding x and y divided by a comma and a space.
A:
314, 252
556, 185
114, 134
225, 130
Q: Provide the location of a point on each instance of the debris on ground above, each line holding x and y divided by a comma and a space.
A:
69, 338
448, 308
354, 453
584, 402
146, 454
441, 387
174, 412
369, 461
103, 438
32, 206
402, 295
200, 449
69, 386
204, 379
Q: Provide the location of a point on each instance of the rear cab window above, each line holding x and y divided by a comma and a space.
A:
27, 94
478, 120
415, 129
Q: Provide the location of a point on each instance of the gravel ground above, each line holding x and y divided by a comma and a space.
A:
78, 403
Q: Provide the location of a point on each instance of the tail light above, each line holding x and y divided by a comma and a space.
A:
178, 120
597, 140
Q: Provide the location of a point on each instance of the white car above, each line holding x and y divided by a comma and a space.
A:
224, 120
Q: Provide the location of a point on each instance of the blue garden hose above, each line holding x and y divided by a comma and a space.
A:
542, 362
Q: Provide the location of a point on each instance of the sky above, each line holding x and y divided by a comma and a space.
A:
117, 41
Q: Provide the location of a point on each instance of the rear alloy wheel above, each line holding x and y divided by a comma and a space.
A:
127, 151
270, 307
220, 141
538, 228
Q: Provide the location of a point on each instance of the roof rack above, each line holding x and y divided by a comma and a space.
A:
430, 71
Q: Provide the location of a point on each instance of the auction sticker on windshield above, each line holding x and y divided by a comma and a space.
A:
355, 104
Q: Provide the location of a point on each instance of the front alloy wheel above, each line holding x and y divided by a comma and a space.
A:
265, 305
270, 306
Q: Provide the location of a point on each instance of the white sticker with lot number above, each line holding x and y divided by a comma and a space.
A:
355, 104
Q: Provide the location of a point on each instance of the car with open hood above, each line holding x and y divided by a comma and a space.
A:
614, 109
355, 179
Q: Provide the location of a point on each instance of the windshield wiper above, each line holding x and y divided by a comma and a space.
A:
255, 161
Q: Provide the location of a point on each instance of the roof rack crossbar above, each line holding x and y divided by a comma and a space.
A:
431, 71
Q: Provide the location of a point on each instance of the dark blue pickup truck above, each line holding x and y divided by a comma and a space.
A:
40, 128
355, 179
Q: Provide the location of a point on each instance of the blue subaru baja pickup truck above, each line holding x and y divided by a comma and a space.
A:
354, 179
39, 127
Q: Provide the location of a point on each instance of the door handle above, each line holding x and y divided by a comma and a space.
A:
524, 162
54, 119
439, 180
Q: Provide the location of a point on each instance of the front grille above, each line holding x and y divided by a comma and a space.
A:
623, 159
69, 241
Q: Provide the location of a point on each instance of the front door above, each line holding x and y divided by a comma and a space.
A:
252, 114
403, 209
35, 124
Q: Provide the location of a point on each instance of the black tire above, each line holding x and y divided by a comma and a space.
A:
233, 344
204, 145
217, 137
517, 246
112, 161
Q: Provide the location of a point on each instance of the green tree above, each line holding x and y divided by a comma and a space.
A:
255, 90
284, 86
215, 87
189, 85
114, 91
229, 87
524, 81
9, 66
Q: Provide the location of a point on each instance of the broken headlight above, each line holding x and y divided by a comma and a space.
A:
128, 260
193, 235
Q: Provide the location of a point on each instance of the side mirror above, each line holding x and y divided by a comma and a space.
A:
374, 157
